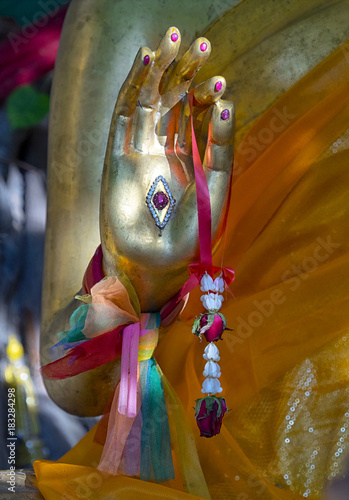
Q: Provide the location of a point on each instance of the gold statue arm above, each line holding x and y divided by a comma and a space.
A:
148, 218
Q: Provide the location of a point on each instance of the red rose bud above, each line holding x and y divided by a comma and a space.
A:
209, 413
212, 325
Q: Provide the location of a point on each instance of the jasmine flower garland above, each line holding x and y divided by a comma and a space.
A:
210, 410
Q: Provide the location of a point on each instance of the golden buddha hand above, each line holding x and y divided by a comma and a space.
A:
148, 218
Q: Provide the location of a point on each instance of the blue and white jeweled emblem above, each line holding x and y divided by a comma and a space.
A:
160, 201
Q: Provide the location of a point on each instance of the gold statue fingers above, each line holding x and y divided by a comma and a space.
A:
164, 55
205, 95
209, 92
122, 121
220, 142
178, 79
146, 115
130, 90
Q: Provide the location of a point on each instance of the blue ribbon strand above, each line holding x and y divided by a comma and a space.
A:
156, 456
74, 336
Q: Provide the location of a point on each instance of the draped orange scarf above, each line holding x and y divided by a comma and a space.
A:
285, 367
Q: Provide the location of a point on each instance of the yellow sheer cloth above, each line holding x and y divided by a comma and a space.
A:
285, 367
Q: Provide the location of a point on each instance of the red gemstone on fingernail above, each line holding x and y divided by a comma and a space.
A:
203, 47
174, 37
146, 60
218, 86
225, 114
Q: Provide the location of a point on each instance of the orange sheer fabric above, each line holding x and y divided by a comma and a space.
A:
287, 239
285, 365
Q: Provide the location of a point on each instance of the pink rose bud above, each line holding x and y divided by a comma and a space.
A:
215, 331
209, 413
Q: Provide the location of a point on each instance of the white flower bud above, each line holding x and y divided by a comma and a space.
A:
212, 369
207, 301
206, 283
211, 352
211, 386
218, 285
212, 301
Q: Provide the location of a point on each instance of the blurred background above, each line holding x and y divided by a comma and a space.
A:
29, 37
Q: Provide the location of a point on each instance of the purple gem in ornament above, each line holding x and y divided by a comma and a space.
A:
146, 60
160, 200
174, 37
225, 114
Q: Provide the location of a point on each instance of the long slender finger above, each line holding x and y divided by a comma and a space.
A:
131, 88
218, 161
205, 95
178, 80
163, 56
220, 145
122, 120
146, 115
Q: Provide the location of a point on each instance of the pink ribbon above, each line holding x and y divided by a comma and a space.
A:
129, 359
199, 270
202, 198
129, 367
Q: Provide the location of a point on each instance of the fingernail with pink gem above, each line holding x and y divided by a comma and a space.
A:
225, 114
174, 36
